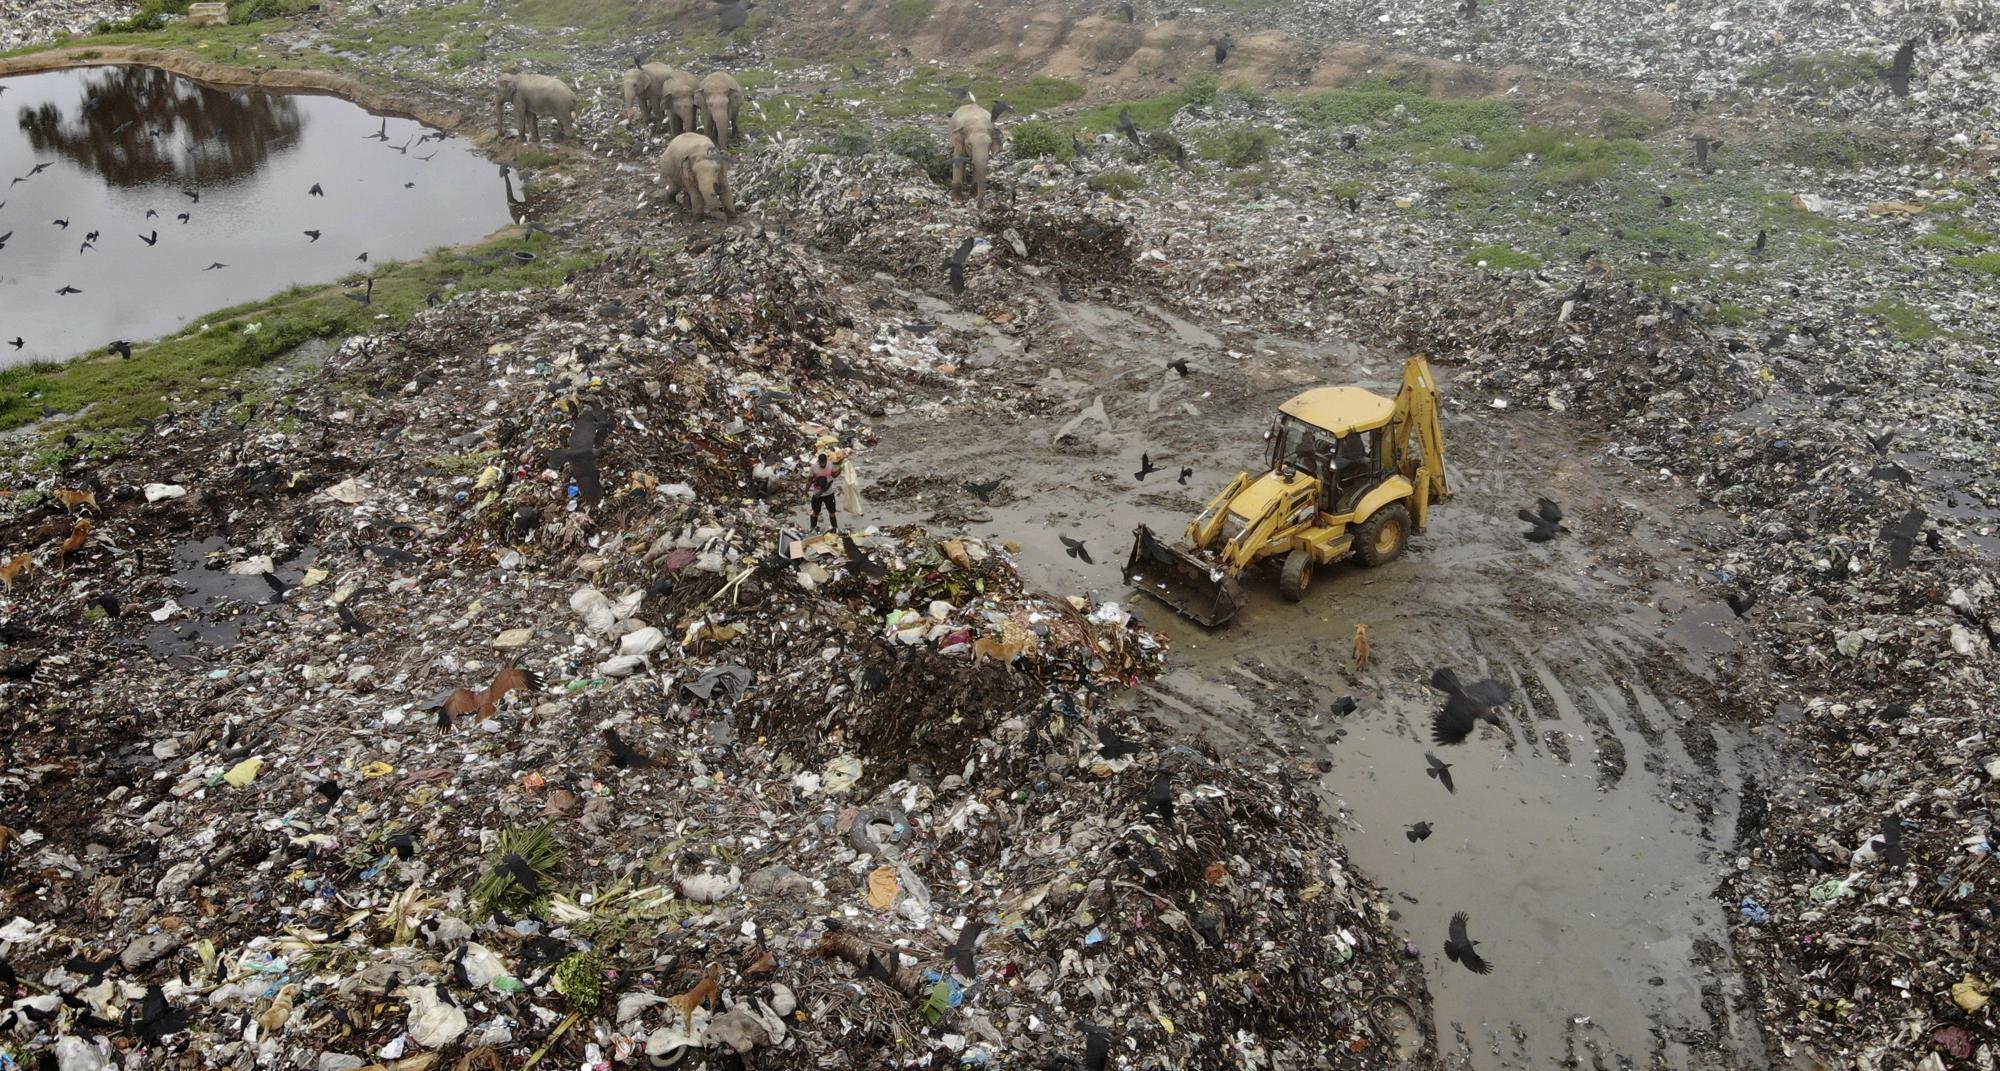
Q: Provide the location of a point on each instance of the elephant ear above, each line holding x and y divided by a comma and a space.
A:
735, 98
687, 172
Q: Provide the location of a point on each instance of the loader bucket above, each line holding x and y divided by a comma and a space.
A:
1176, 577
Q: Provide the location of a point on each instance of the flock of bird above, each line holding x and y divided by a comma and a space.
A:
151, 239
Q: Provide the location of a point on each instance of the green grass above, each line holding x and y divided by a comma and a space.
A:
1830, 148
1117, 183
1569, 159
1904, 321
906, 17
1982, 263
1956, 235
1150, 113
195, 362
1735, 315
928, 92
1819, 70
1501, 258
1422, 121
925, 147
1618, 123
1037, 138
1240, 147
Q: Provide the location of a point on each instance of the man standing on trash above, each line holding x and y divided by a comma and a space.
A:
820, 486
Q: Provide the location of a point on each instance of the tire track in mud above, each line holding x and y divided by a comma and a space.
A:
1581, 837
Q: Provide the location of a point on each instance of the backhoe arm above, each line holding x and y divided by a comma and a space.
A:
1417, 417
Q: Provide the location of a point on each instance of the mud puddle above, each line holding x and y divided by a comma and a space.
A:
1582, 841
213, 606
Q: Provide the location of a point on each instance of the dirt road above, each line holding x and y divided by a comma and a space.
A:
1582, 841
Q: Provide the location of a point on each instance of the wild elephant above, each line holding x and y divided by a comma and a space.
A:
974, 140
718, 99
646, 90
678, 97
534, 97
693, 166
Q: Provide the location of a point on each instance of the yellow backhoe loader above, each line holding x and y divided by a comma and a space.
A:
1351, 473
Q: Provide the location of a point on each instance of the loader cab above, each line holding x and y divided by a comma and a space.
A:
1334, 435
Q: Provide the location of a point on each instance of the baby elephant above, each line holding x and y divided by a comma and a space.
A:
534, 97
691, 165
974, 140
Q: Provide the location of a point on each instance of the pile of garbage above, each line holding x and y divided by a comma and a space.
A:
33, 22
1828, 59
485, 702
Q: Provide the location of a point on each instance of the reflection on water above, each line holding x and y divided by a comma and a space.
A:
138, 125
134, 201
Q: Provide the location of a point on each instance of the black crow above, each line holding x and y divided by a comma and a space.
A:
1460, 948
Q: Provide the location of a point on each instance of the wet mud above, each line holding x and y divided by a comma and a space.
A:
1583, 840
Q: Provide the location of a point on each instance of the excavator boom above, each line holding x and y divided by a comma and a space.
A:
1417, 418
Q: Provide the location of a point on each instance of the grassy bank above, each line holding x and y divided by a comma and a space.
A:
106, 391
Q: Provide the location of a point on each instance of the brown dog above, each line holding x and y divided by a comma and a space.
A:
1007, 651
17, 566
74, 500
79, 534
706, 991
1361, 649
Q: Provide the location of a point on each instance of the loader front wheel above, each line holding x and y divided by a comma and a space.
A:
1297, 577
1381, 537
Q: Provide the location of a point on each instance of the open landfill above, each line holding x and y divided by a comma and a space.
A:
472, 688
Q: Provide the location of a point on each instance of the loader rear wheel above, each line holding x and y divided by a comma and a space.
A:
1381, 537
1297, 577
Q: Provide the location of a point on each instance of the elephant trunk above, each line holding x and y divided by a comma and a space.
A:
718, 121
632, 96
981, 151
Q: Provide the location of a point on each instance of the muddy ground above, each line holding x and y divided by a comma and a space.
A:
1584, 840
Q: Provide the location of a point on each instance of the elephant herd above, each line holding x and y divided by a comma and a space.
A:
701, 113
695, 165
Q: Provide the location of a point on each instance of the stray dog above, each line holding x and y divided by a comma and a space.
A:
1361, 649
78, 535
73, 500
1013, 642
706, 991
16, 567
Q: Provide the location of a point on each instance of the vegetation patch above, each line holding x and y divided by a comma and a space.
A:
1501, 258
1040, 139
202, 359
1835, 148
1983, 263
1240, 147
1904, 321
1819, 71
906, 17
930, 93
923, 147
1955, 234
1397, 120
534, 846
1117, 183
